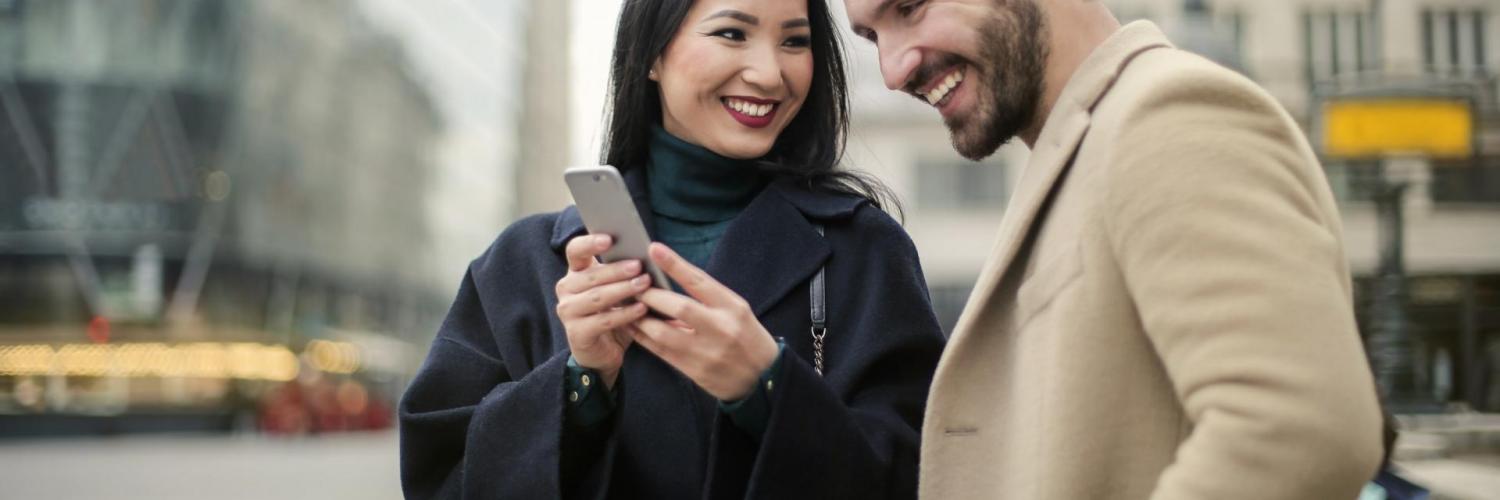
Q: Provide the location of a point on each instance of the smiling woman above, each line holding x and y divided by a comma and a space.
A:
730, 81
550, 379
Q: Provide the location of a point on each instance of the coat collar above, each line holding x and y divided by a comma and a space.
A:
1066, 126
776, 246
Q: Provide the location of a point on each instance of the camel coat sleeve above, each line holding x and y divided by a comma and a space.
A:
1238, 273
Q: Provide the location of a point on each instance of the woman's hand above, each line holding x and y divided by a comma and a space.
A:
714, 340
589, 305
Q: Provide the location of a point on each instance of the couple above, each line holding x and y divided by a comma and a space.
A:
1167, 312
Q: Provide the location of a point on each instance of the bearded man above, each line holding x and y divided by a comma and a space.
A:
1167, 312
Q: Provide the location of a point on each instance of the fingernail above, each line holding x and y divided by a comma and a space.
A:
601, 241
640, 281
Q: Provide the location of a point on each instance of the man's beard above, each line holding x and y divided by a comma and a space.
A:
1013, 55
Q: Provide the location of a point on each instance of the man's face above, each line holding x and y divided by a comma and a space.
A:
981, 63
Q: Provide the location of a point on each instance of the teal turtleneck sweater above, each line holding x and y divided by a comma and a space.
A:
696, 193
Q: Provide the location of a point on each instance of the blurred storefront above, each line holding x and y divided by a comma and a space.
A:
216, 215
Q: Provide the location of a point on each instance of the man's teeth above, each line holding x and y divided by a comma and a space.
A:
941, 90
749, 109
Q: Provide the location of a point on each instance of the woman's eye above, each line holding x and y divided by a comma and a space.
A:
729, 34
798, 42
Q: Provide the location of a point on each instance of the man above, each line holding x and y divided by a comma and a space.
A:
1167, 312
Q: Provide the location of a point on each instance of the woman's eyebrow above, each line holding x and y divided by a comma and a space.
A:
796, 23
733, 14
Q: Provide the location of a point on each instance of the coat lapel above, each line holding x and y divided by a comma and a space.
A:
1065, 129
771, 249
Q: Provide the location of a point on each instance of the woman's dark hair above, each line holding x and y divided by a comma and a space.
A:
808, 150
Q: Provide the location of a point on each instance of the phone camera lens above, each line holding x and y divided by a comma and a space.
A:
596, 178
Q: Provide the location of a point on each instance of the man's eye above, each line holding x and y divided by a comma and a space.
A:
730, 34
907, 8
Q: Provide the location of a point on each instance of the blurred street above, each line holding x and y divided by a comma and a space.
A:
354, 465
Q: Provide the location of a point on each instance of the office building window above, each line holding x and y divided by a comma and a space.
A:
1454, 41
950, 183
1339, 44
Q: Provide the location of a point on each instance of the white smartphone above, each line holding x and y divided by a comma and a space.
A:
606, 207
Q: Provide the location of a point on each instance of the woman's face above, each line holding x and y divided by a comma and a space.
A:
735, 74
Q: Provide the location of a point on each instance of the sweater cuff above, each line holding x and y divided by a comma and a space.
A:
753, 413
589, 402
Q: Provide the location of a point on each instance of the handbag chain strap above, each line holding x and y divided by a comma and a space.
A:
819, 314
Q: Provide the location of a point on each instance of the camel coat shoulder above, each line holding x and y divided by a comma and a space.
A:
1167, 312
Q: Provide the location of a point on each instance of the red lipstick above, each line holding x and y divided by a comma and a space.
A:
752, 121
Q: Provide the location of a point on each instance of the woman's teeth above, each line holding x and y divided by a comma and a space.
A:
748, 108
937, 93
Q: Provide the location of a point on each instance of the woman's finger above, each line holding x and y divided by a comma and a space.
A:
600, 298
606, 322
583, 250
676, 306
693, 280
582, 281
660, 338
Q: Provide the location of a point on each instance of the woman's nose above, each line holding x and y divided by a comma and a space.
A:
762, 69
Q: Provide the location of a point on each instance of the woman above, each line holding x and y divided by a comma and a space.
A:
727, 120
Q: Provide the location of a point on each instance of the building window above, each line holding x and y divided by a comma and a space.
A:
1476, 181
1339, 43
1453, 41
949, 183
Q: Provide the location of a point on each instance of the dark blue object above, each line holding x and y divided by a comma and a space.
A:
483, 418
1398, 488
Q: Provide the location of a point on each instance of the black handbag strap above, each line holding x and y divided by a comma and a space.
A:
819, 313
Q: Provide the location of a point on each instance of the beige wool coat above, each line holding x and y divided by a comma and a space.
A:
1167, 313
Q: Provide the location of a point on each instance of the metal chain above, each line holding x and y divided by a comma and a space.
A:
817, 335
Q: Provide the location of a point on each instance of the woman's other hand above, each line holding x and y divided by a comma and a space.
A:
714, 340
590, 305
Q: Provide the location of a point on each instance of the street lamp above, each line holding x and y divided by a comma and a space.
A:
1378, 129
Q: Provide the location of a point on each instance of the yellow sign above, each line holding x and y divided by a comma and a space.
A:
1370, 128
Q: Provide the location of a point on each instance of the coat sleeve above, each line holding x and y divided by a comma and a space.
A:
1229, 243
473, 427
854, 433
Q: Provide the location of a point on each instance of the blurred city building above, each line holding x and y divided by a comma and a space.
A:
1306, 53
220, 214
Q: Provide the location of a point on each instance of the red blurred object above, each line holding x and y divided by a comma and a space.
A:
99, 329
320, 406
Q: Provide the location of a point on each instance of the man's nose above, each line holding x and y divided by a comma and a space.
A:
897, 62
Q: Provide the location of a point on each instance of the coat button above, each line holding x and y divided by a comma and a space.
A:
770, 384
573, 396
585, 380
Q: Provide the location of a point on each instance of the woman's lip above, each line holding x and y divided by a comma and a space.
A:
752, 100
752, 121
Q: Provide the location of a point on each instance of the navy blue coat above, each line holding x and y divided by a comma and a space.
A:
484, 417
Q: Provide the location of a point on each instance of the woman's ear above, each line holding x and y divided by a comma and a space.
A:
655, 73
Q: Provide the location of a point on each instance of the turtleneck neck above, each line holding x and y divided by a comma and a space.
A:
690, 183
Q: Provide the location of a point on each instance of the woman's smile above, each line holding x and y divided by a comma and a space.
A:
751, 112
